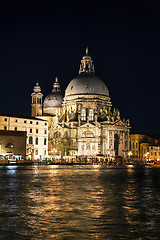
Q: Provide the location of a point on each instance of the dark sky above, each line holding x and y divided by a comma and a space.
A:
45, 39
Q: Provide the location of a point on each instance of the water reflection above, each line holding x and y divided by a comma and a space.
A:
79, 202
140, 203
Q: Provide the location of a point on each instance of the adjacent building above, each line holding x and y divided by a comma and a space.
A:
36, 131
145, 146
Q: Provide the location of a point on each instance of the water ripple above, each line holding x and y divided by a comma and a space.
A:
79, 202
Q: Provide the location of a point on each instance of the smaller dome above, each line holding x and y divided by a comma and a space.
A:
53, 100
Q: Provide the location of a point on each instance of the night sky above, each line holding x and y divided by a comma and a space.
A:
45, 39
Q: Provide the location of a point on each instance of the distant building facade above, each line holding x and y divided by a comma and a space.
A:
145, 146
82, 123
36, 130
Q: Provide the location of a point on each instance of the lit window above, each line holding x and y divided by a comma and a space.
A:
36, 141
9, 145
83, 115
30, 140
91, 115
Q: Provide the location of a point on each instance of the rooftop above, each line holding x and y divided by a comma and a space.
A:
21, 116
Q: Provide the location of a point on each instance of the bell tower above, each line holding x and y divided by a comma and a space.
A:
36, 101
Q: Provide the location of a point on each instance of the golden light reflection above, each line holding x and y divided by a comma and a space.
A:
64, 199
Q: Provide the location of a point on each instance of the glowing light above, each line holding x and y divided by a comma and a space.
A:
87, 50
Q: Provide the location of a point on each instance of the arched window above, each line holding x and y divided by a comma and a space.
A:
88, 146
36, 141
91, 115
45, 141
30, 140
83, 115
87, 134
116, 143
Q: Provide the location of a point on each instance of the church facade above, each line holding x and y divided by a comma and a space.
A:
82, 122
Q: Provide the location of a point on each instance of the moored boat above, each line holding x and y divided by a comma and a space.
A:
156, 165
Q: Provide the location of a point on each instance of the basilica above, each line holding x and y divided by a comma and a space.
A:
82, 122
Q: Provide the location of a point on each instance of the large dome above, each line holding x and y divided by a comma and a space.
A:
86, 83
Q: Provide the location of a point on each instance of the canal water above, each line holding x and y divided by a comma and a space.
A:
79, 202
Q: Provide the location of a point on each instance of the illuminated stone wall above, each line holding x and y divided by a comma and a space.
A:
13, 142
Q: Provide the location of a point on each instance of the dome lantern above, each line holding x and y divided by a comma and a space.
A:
86, 64
56, 86
37, 88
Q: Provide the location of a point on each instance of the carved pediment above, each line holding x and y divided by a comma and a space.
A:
119, 123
